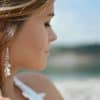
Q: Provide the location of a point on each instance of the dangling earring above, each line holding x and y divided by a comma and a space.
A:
7, 69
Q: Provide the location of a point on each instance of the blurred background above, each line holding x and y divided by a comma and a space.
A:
74, 62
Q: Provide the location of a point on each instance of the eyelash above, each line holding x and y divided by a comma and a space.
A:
47, 24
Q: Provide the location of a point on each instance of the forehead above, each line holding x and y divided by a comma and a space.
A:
49, 9
46, 9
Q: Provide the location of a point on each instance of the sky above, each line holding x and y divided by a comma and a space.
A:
77, 22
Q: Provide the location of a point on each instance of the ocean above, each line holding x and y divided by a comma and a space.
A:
78, 89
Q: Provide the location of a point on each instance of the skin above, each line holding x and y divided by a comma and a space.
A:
30, 50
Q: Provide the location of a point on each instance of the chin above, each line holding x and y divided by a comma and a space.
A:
40, 68
36, 66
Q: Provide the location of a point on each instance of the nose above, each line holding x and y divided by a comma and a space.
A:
52, 36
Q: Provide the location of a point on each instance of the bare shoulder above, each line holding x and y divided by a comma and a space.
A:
41, 83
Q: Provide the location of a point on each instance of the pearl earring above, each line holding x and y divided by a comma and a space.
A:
7, 69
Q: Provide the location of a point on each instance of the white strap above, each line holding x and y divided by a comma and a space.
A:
27, 92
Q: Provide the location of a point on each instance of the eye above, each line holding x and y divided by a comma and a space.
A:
47, 24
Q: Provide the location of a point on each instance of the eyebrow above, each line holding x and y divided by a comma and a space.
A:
51, 14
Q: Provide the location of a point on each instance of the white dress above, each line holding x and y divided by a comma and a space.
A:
28, 92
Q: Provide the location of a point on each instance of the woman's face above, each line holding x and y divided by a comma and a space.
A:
32, 44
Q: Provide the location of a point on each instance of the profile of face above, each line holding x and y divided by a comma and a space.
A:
31, 46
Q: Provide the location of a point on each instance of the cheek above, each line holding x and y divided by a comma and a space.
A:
36, 37
29, 48
38, 41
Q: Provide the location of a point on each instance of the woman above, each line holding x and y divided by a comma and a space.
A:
25, 37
